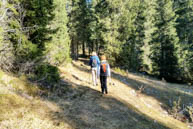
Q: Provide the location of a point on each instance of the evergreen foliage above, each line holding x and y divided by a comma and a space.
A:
138, 35
58, 49
165, 42
73, 24
34, 36
184, 10
149, 28
132, 49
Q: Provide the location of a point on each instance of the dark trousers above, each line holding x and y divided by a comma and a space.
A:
103, 80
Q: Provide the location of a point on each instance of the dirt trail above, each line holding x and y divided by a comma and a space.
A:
147, 106
76, 104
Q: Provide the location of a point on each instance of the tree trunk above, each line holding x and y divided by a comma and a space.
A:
162, 69
77, 51
72, 49
92, 46
83, 49
97, 47
89, 51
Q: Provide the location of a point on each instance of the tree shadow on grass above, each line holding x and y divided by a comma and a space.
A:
161, 91
85, 108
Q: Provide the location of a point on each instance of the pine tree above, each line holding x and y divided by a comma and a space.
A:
137, 37
73, 12
58, 49
116, 28
165, 42
184, 10
81, 21
77, 26
149, 28
39, 14
16, 48
131, 55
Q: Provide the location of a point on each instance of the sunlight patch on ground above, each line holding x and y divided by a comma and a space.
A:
82, 105
145, 104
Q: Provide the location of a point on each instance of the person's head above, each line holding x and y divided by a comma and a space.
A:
103, 57
94, 54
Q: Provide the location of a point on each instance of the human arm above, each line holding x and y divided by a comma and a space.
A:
109, 74
108, 71
98, 61
98, 71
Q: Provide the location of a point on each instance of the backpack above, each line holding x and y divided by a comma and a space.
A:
94, 62
103, 69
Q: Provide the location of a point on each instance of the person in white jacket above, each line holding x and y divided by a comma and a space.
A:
94, 64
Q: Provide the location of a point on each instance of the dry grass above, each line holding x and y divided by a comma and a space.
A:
21, 107
75, 104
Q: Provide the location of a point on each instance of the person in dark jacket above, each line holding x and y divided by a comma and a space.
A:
94, 64
104, 73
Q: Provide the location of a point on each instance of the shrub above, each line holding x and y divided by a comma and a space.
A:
189, 113
47, 75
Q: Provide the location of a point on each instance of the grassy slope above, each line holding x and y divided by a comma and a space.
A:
77, 104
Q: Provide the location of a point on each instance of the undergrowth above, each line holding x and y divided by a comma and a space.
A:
177, 102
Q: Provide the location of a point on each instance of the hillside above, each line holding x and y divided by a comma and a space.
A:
75, 104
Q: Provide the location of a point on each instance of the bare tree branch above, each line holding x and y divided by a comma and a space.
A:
4, 3
4, 14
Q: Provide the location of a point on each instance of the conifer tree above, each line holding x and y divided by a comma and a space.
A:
58, 49
137, 37
184, 10
131, 55
116, 28
165, 42
75, 26
149, 28
16, 47
39, 14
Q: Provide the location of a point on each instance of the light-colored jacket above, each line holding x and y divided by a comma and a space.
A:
92, 58
108, 69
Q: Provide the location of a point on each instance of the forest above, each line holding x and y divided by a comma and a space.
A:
149, 36
45, 79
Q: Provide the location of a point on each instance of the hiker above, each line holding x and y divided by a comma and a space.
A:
95, 64
104, 73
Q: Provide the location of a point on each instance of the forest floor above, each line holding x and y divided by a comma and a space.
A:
76, 104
